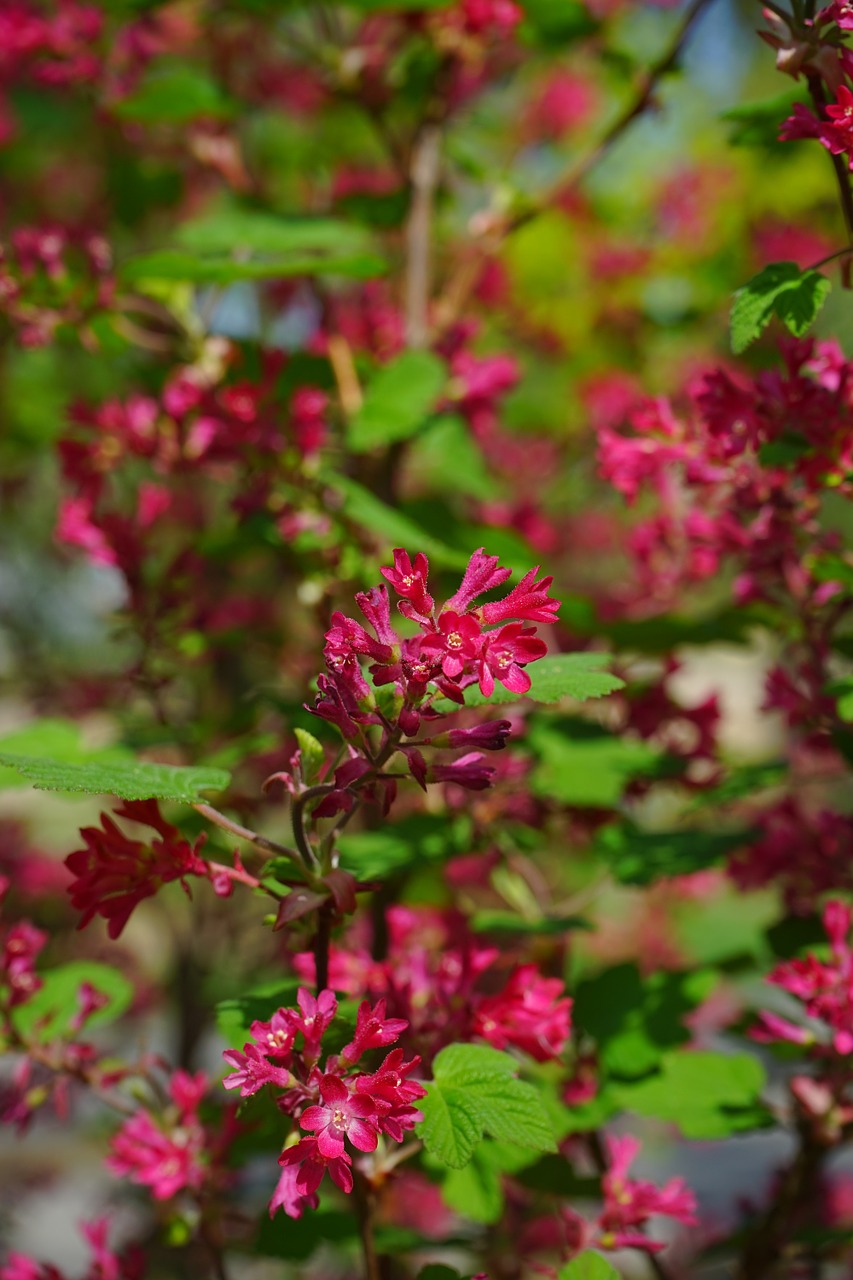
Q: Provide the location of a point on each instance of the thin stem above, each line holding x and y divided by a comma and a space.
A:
424, 179
243, 833
297, 818
496, 232
841, 167
366, 1203
796, 1194
322, 942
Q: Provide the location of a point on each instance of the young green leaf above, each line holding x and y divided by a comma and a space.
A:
313, 754
139, 780
781, 289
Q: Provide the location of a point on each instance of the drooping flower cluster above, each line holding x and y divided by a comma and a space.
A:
174, 1150
21, 944
457, 645
629, 1204
432, 977
336, 1105
114, 873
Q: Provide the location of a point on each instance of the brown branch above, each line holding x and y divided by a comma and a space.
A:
496, 230
424, 179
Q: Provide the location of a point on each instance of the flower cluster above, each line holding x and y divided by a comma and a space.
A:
53, 278
335, 1105
21, 945
432, 977
805, 853
113, 873
629, 1204
457, 645
825, 991
817, 52
175, 1150
738, 478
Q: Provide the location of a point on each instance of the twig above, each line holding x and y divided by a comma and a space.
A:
346, 374
424, 179
322, 941
842, 172
243, 833
497, 231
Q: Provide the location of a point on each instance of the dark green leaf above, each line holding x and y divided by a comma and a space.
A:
641, 857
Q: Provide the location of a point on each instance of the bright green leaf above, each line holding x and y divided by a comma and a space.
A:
138, 780
589, 1266
49, 1012
398, 400
708, 1095
174, 93
581, 764
781, 289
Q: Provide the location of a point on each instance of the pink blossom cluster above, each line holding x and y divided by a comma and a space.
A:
433, 977
738, 478
334, 1106
174, 1150
814, 49
21, 944
53, 278
114, 873
52, 48
824, 989
457, 644
629, 1204
105, 1263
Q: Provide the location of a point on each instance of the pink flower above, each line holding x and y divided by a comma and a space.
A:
528, 600
455, 644
530, 1013
482, 574
313, 1165
342, 1115
505, 653
410, 581
253, 1070
628, 1204
372, 1030
164, 1161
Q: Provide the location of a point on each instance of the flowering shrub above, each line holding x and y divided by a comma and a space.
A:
461, 349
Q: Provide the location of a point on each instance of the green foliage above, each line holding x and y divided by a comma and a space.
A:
57, 740
641, 857
560, 675
235, 243
48, 1014
588, 1266
445, 458
476, 1190
707, 1095
475, 1091
174, 93
139, 780
756, 124
398, 401
635, 1021
581, 764
389, 527
313, 754
411, 842
795, 297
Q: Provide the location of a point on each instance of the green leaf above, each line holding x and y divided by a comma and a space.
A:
589, 1266
174, 93
138, 780
635, 1020
475, 1090
392, 528
448, 437
756, 124
421, 838
641, 857
781, 289
495, 920
57, 740
398, 401
177, 264
560, 675
474, 1191
313, 754
553, 22
581, 764
54, 1005
707, 1095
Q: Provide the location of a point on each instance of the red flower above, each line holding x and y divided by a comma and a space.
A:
505, 653
114, 873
